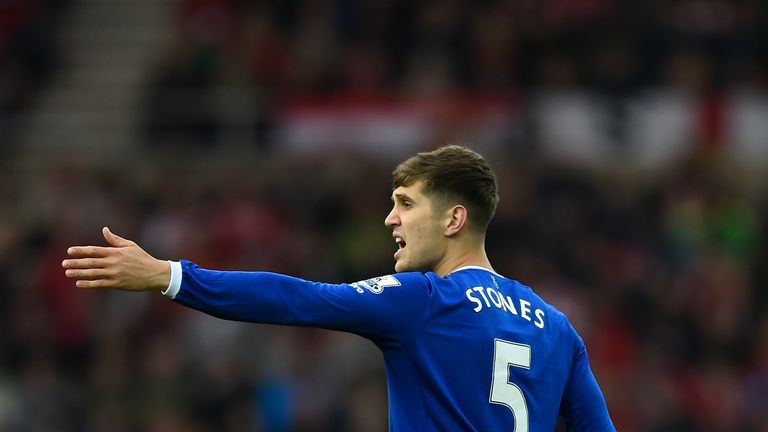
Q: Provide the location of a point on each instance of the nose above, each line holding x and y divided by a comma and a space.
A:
392, 219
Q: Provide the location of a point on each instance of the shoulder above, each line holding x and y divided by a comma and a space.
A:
557, 320
566, 331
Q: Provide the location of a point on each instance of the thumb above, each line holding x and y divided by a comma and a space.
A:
114, 239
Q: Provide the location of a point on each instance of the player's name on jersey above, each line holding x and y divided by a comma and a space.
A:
485, 298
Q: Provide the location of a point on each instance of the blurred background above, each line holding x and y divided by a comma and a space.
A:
630, 140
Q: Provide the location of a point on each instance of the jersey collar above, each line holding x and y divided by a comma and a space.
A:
475, 268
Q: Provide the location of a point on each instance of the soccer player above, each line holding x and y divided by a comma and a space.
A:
465, 348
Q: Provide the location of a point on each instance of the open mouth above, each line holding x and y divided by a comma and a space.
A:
400, 242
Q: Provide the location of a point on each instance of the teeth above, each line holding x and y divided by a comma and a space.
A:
399, 241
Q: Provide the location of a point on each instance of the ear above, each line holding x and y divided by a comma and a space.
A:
456, 219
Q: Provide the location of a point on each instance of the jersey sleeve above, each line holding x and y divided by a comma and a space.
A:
386, 308
583, 408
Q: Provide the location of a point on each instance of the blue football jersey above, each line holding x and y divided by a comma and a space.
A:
471, 351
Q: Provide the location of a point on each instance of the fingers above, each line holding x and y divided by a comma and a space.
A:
84, 263
114, 239
89, 251
89, 273
92, 277
99, 283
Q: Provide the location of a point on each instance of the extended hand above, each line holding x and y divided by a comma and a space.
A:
123, 265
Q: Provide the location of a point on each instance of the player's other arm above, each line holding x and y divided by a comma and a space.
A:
583, 408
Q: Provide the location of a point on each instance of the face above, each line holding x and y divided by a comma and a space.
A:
416, 229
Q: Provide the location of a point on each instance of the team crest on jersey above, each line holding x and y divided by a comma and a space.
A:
376, 285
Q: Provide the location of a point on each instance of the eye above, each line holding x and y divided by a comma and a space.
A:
407, 204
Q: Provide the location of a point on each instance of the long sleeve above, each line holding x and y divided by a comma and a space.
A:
384, 308
583, 408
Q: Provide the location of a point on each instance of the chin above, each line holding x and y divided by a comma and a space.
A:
403, 266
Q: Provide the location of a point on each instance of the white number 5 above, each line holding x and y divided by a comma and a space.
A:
504, 392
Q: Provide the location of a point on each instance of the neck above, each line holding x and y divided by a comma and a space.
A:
465, 257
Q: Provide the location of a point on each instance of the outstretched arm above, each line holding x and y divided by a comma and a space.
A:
386, 309
122, 265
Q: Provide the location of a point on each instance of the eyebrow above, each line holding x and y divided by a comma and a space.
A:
401, 196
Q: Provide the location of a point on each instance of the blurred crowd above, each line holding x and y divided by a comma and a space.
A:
279, 51
660, 274
28, 53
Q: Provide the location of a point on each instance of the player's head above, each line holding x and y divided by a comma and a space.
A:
441, 195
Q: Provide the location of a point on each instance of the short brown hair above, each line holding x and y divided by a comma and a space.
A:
453, 175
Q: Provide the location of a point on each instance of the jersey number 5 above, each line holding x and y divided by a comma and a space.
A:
504, 392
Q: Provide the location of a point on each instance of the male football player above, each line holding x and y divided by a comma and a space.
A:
465, 348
